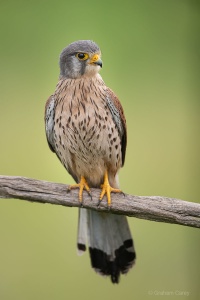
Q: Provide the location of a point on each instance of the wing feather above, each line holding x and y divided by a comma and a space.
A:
49, 121
117, 112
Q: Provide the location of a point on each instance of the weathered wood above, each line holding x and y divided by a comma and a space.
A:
153, 208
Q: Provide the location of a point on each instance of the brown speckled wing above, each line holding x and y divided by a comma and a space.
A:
119, 118
49, 121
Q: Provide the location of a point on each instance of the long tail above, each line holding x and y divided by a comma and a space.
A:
110, 243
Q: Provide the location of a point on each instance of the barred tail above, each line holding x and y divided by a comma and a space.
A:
110, 243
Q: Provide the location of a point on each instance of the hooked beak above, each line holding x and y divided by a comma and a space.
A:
96, 60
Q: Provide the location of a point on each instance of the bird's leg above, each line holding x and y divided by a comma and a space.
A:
81, 185
107, 189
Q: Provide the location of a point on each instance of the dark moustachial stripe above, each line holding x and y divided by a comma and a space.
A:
124, 259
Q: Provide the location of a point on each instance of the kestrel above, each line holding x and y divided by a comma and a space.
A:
86, 128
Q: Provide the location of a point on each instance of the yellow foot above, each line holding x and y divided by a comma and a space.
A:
81, 185
107, 189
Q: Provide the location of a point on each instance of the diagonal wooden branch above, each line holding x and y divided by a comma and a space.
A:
154, 208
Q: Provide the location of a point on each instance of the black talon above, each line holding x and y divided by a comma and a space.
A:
90, 194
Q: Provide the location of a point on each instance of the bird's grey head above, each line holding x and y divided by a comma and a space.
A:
80, 58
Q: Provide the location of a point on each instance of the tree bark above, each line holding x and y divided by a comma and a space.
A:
153, 208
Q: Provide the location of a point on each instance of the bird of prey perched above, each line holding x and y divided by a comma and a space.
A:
86, 128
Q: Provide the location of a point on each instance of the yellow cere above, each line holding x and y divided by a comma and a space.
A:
94, 58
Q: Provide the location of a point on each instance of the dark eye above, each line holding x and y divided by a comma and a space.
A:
82, 56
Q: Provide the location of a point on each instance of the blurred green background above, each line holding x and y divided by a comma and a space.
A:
151, 60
